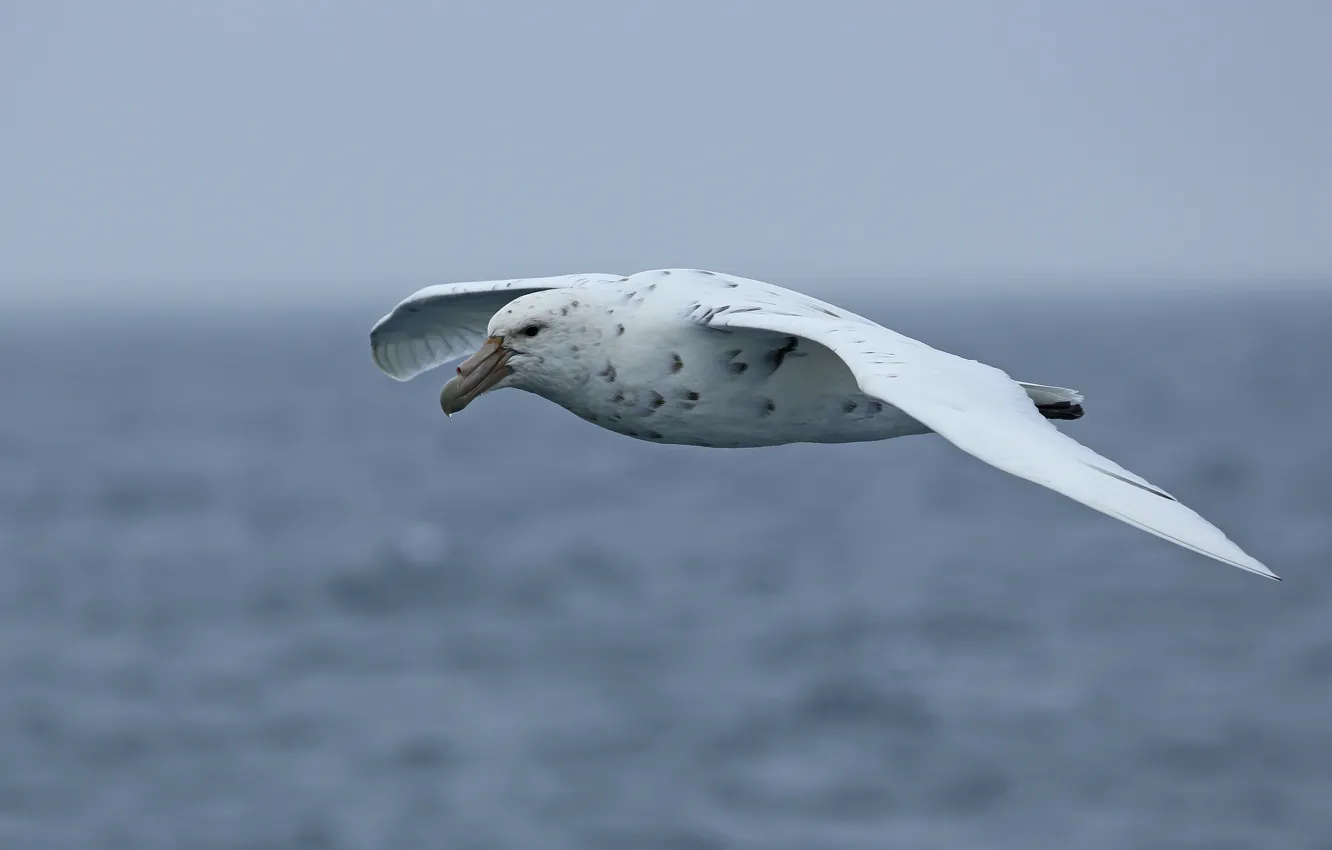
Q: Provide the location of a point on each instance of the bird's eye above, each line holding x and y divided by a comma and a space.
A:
531, 330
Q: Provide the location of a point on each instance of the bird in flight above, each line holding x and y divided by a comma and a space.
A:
702, 358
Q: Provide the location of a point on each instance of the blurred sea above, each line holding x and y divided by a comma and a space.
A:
254, 594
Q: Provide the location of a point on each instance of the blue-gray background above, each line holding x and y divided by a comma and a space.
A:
278, 148
254, 594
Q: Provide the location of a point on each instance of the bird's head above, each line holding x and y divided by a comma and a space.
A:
528, 346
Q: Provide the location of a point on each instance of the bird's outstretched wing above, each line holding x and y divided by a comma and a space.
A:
980, 410
444, 322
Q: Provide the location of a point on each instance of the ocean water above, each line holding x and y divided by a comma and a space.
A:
254, 594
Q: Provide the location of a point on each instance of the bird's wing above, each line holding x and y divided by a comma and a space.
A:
444, 322
980, 410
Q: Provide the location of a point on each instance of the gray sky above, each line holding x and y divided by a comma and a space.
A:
276, 144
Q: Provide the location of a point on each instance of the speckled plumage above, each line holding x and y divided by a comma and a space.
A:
702, 358
647, 370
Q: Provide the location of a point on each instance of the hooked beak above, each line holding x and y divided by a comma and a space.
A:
476, 375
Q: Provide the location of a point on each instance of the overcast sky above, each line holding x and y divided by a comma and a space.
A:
274, 144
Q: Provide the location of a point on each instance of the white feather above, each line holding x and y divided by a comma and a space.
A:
445, 322
984, 412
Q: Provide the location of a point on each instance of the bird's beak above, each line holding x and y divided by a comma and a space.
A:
476, 375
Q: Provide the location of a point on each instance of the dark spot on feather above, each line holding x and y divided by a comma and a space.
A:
732, 284
768, 407
564, 311
619, 330
619, 397
777, 356
1131, 482
709, 274
849, 405
652, 286
876, 406
1061, 410
574, 304
657, 399
676, 363
413, 309
654, 435
665, 271
733, 368
608, 373
691, 395
828, 312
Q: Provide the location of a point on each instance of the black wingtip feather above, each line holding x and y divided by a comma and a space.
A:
1061, 410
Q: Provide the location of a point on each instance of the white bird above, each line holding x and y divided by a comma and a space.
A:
703, 358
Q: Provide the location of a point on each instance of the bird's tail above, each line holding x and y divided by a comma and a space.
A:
1055, 402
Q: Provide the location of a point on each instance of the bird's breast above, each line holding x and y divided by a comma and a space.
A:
705, 388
